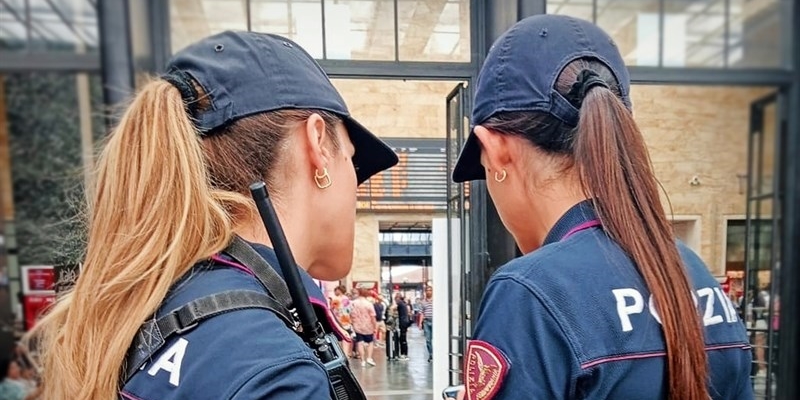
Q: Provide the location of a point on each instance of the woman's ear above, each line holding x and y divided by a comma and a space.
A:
495, 151
317, 141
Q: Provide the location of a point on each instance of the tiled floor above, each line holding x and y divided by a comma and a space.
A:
395, 380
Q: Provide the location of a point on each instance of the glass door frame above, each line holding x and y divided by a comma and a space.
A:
458, 108
756, 223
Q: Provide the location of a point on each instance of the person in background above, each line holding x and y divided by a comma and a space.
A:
760, 316
352, 295
364, 324
340, 308
380, 329
427, 320
416, 308
19, 373
403, 322
12, 386
29, 377
392, 332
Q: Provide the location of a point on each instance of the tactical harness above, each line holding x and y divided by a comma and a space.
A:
153, 334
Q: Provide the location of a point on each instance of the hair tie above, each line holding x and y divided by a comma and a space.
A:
184, 83
587, 79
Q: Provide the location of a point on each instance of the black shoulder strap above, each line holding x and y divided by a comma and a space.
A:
153, 334
247, 256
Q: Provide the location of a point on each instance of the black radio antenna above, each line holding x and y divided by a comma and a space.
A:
312, 329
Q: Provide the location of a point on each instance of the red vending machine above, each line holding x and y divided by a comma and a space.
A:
38, 292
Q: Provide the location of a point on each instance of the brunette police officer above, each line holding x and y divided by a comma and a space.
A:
604, 303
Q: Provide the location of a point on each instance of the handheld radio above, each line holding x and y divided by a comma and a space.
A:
344, 385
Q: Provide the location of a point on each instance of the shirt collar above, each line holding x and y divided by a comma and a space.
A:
580, 214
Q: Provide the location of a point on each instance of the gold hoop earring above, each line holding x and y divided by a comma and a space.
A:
323, 181
502, 178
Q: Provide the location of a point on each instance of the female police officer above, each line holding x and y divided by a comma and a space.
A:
171, 193
605, 303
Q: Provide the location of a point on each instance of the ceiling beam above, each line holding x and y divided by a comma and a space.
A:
53, 61
63, 18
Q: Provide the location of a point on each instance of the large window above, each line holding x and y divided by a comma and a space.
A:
359, 30
385, 30
691, 33
760, 248
48, 25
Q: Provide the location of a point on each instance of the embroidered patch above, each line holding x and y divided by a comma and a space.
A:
485, 369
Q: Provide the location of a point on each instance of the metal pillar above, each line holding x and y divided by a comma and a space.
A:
150, 35
526, 8
134, 37
491, 245
115, 51
160, 36
789, 354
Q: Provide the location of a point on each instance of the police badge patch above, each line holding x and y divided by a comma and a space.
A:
485, 369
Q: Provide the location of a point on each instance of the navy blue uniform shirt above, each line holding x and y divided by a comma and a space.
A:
246, 354
574, 320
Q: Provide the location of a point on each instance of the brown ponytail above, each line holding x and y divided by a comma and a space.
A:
614, 166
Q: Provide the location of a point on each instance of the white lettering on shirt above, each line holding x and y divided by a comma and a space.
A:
624, 310
709, 318
171, 362
630, 301
653, 310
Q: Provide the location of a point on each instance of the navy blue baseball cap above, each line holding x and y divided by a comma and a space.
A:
247, 73
520, 73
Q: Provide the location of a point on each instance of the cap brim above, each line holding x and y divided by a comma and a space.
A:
468, 167
372, 154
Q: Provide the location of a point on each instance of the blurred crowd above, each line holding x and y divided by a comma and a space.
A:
20, 379
374, 321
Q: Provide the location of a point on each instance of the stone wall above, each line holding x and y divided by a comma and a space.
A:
699, 131
398, 108
366, 257
690, 130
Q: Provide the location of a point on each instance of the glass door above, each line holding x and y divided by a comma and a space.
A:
762, 252
459, 326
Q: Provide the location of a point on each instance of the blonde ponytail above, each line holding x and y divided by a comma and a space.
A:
152, 215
